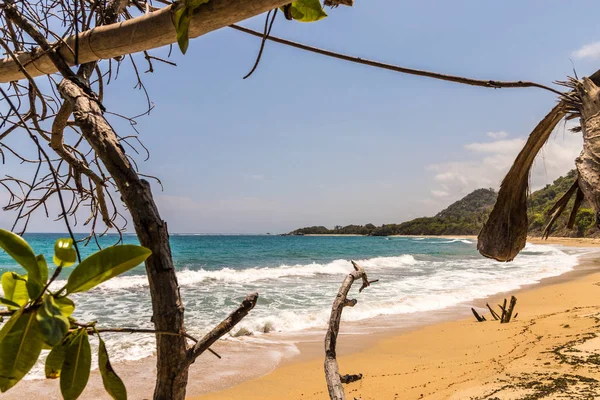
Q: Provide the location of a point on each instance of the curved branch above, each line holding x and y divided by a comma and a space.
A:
149, 31
428, 74
332, 372
225, 326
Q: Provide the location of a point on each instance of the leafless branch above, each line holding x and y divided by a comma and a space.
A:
225, 326
332, 373
493, 84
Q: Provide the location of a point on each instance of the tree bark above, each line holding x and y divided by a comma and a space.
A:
152, 233
496, 317
332, 372
221, 329
588, 163
509, 311
479, 318
149, 31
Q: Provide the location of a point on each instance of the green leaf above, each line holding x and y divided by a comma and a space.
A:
193, 4
53, 324
112, 383
21, 252
76, 367
181, 19
182, 29
66, 305
104, 265
15, 288
19, 349
64, 253
9, 324
307, 10
9, 304
56, 358
43, 266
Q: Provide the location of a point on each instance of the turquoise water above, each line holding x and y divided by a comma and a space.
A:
212, 252
297, 279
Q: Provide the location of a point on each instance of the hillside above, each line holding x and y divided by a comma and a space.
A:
467, 215
541, 201
464, 217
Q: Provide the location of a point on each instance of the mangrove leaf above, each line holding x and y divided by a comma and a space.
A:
64, 253
19, 349
104, 265
21, 252
76, 367
112, 383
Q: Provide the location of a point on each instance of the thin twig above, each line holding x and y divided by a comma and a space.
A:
267, 32
139, 330
60, 197
435, 75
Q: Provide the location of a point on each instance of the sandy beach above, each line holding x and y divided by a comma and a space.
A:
550, 350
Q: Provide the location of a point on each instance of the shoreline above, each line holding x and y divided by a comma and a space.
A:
560, 240
221, 379
358, 351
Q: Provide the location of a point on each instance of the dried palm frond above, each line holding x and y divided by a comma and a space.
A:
505, 232
578, 201
560, 205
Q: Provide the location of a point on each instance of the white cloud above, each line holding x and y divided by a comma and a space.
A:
497, 135
439, 193
591, 50
490, 161
497, 147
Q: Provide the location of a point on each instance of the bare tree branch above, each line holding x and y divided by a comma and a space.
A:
332, 372
145, 32
225, 326
428, 74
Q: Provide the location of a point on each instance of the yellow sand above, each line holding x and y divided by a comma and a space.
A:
549, 349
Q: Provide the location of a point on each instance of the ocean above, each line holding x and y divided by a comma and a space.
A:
297, 278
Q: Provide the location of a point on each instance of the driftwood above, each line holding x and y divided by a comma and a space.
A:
332, 373
350, 378
503, 308
225, 326
504, 317
496, 317
507, 316
480, 318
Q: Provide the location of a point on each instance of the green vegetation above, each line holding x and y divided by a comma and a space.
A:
541, 201
466, 216
41, 318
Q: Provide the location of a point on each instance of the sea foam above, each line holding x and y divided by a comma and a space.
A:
296, 297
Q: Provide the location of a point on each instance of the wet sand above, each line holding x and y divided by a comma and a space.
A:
407, 355
550, 349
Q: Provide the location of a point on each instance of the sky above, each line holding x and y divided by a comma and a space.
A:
309, 140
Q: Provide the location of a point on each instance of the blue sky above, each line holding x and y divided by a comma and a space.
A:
311, 140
